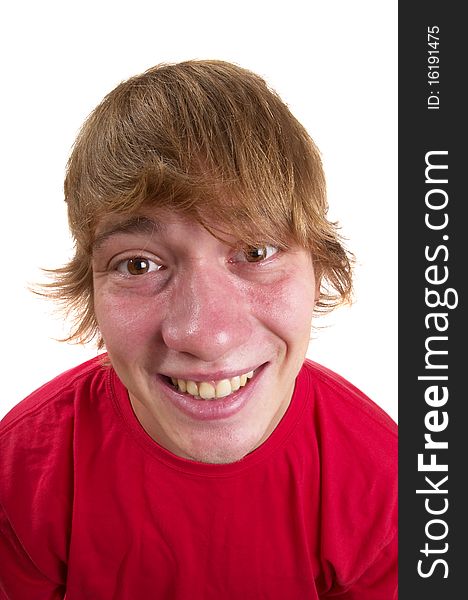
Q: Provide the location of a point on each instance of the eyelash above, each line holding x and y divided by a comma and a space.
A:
266, 251
123, 266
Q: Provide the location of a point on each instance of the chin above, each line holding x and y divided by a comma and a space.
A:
222, 448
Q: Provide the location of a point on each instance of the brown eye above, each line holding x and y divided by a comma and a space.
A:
137, 266
255, 254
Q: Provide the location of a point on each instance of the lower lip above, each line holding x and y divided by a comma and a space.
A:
210, 410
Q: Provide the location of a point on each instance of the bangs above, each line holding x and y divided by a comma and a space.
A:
191, 137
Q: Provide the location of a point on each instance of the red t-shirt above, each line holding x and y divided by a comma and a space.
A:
90, 505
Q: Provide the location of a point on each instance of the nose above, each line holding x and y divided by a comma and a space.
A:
208, 314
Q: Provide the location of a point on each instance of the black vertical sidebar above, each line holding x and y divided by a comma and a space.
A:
433, 274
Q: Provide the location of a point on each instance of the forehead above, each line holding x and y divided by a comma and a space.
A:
221, 210
134, 224
162, 224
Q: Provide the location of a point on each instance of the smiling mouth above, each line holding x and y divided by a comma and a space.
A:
212, 390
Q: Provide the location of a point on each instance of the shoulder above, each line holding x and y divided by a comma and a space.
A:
36, 436
335, 400
55, 398
37, 456
358, 440
358, 448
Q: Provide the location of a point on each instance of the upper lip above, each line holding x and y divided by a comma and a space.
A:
212, 375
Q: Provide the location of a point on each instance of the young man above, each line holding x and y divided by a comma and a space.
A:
201, 457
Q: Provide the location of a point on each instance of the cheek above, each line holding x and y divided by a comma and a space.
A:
286, 307
125, 321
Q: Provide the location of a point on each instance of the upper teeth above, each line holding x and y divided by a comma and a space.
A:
209, 390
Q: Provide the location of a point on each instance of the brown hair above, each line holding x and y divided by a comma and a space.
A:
208, 139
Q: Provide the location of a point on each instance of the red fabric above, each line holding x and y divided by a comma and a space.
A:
92, 505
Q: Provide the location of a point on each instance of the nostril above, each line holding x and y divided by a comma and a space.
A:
209, 341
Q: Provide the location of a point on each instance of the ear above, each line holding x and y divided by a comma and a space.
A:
318, 281
100, 341
317, 289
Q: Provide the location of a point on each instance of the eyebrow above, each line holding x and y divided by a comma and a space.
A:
137, 224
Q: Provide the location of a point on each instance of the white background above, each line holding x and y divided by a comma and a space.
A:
333, 62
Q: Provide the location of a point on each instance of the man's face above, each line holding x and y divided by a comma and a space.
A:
207, 337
